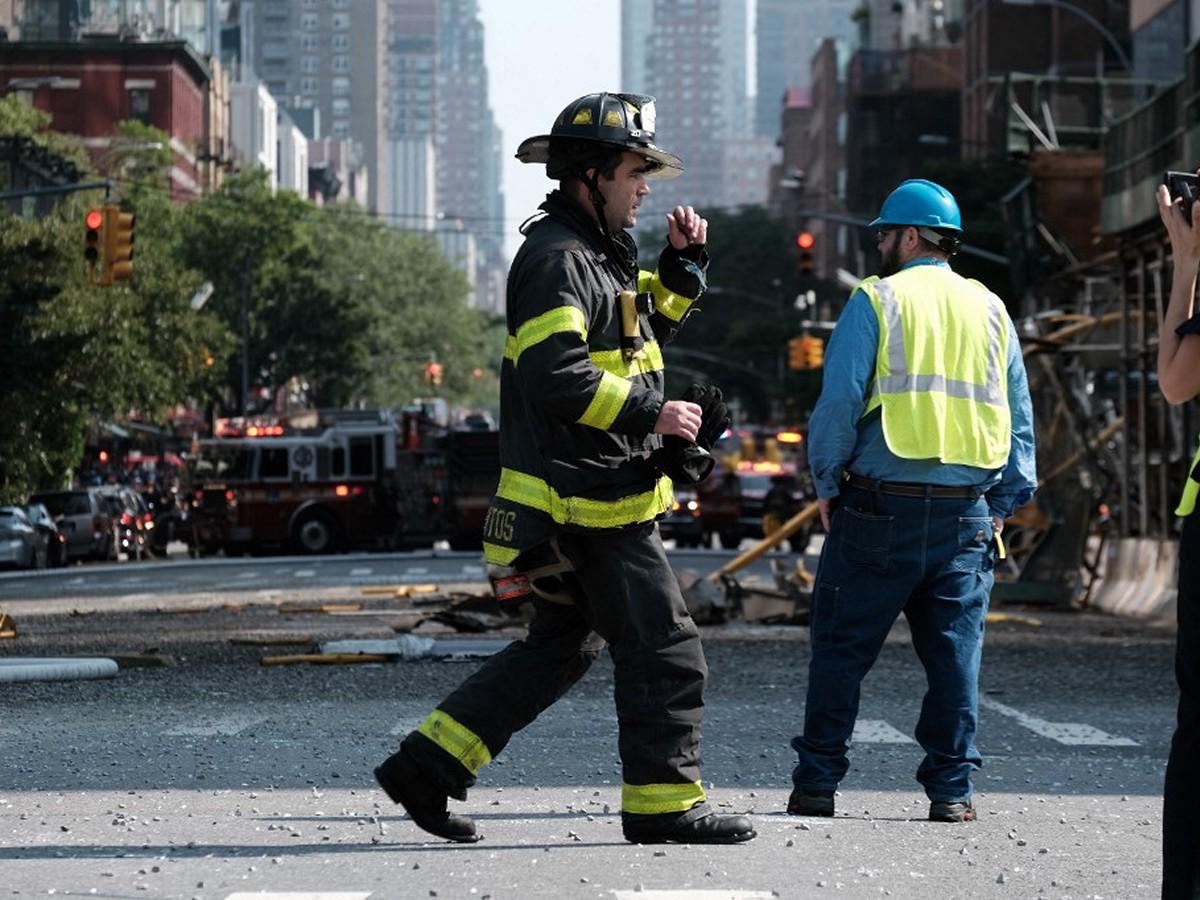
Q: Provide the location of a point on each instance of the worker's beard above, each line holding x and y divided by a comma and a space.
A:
891, 261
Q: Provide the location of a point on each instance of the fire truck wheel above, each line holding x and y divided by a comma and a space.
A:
315, 532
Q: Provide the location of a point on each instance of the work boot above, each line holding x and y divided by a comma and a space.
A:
422, 799
810, 803
698, 825
951, 811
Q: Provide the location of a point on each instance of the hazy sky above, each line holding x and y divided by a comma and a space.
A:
542, 55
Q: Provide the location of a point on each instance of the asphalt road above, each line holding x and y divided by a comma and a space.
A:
219, 776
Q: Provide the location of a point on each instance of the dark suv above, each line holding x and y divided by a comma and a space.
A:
85, 520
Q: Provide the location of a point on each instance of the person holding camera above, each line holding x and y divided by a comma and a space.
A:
1179, 381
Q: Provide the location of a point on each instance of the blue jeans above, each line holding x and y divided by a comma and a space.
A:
932, 559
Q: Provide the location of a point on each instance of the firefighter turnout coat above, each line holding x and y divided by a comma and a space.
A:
576, 417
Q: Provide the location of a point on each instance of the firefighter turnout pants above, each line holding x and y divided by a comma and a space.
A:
626, 595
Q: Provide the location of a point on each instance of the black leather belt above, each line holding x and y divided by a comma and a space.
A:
908, 489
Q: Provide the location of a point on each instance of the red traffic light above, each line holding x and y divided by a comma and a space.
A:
805, 240
94, 219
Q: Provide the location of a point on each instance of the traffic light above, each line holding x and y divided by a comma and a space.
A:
93, 223
814, 353
804, 252
797, 353
118, 244
433, 373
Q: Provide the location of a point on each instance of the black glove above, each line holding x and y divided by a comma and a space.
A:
690, 463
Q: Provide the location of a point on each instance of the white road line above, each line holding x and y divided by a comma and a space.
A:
299, 895
212, 726
416, 570
247, 575
472, 570
360, 572
304, 573
132, 579
1072, 734
732, 894
877, 731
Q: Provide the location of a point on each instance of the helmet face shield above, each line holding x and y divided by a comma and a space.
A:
621, 121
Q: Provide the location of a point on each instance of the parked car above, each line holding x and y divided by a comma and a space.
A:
21, 544
84, 518
129, 514
734, 503
56, 540
682, 524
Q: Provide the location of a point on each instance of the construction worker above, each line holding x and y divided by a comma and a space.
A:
573, 523
1179, 381
920, 445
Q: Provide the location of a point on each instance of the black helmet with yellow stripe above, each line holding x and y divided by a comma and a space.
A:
617, 121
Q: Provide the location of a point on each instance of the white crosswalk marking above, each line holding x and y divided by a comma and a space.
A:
360, 572
877, 731
1070, 733
416, 570
304, 573
211, 726
731, 894
299, 895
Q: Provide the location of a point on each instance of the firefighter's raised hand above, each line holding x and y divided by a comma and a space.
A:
680, 418
685, 227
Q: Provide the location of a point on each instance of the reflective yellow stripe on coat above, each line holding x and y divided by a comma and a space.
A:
534, 492
1191, 487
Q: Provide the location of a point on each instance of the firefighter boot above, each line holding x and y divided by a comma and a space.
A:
423, 799
698, 825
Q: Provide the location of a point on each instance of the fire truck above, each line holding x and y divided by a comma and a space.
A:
341, 481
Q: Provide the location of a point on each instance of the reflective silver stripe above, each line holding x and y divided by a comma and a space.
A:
901, 380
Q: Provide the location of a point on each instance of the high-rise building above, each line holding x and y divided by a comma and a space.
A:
787, 35
694, 62
329, 54
411, 107
467, 140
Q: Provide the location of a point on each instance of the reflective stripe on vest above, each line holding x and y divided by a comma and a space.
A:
1191, 487
534, 492
456, 739
938, 405
654, 799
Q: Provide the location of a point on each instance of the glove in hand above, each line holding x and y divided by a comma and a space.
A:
690, 463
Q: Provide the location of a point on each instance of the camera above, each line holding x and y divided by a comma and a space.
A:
1186, 186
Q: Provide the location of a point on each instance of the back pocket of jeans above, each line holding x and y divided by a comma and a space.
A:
975, 537
866, 539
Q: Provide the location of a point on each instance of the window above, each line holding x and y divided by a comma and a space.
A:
341, 129
341, 4
308, 21
340, 42
308, 86
341, 21
339, 462
139, 105
341, 107
341, 85
341, 64
362, 458
310, 42
310, 4
310, 64
273, 463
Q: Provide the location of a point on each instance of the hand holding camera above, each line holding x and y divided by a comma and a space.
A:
1177, 198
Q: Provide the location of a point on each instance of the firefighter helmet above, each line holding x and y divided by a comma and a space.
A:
619, 121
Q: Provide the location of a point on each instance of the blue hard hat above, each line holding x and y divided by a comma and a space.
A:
920, 202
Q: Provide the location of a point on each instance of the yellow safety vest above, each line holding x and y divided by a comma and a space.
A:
1191, 487
941, 370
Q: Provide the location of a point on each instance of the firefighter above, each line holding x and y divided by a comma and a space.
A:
572, 525
921, 445
1179, 381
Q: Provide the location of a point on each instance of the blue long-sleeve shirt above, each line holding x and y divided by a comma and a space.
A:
841, 439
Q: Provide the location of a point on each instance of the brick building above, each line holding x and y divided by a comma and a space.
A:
88, 87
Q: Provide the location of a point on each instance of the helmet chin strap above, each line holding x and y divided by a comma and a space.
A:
598, 204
